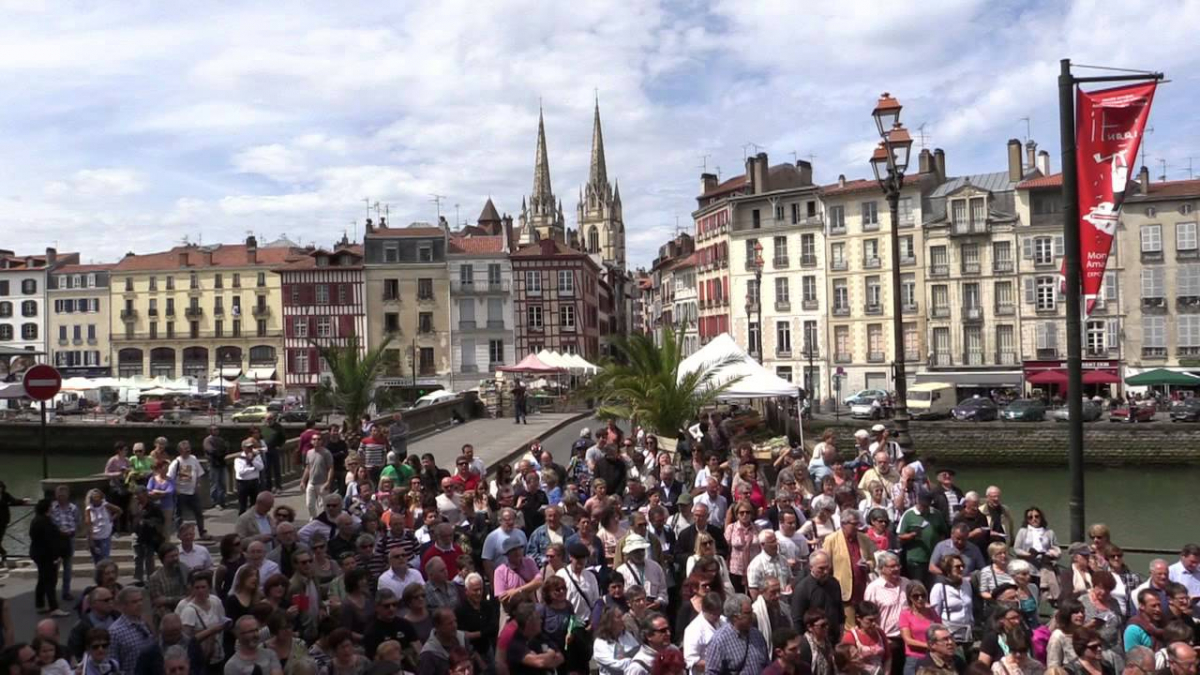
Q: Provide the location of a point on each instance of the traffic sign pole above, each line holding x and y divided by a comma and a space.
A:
42, 382
45, 454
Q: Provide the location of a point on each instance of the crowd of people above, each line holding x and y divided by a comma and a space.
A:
629, 559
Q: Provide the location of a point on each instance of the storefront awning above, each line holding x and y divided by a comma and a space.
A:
973, 378
230, 372
1058, 377
261, 373
1100, 377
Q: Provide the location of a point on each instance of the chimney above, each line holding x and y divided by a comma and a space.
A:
1031, 154
51, 256
708, 182
1144, 180
208, 258
183, 261
841, 180
1043, 162
547, 246
382, 223
1014, 160
925, 160
939, 164
805, 169
751, 175
761, 179
370, 226
251, 250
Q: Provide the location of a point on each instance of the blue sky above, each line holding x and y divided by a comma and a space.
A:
129, 126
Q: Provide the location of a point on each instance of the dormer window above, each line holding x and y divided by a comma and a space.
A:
322, 261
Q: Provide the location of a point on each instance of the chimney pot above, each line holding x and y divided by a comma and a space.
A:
939, 164
1044, 162
1014, 160
841, 180
925, 160
1031, 154
708, 182
1144, 179
51, 256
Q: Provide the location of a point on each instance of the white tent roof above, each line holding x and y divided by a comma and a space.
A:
555, 360
580, 363
12, 390
757, 381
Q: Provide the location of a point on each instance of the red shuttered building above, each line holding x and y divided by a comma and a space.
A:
324, 303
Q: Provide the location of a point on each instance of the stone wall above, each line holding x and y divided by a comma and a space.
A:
1038, 443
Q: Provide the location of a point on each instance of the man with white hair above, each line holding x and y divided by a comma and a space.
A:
256, 558
638, 569
770, 562
819, 590
716, 502
738, 648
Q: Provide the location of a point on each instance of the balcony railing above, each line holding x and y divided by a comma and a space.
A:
129, 315
869, 226
466, 325
783, 353
967, 228
780, 263
842, 358
808, 261
261, 311
971, 268
1156, 305
1188, 351
837, 228
194, 312
1006, 358
942, 359
219, 310
972, 313
1006, 309
872, 263
816, 220
1047, 353
809, 305
467, 287
876, 357
1002, 266
939, 270
907, 260
940, 312
873, 308
783, 306
841, 311
1154, 352
909, 308
973, 359
1152, 256
1188, 303
838, 266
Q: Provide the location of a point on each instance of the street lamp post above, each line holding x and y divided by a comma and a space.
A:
755, 303
889, 162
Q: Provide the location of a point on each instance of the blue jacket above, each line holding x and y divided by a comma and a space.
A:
539, 541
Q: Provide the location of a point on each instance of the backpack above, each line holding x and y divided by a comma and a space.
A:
1041, 640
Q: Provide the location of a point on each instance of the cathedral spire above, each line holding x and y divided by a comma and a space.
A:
542, 193
598, 178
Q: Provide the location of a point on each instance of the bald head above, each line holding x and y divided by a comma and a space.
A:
48, 629
264, 502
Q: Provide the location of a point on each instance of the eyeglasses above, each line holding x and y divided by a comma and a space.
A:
918, 596
1095, 645
391, 604
660, 630
100, 645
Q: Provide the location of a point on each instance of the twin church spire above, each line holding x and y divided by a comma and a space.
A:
600, 227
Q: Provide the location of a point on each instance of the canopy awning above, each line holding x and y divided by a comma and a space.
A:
756, 381
581, 363
229, 372
1055, 376
12, 390
531, 364
1100, 377
261, 373
1162, 376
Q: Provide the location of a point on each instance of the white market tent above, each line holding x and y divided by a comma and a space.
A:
555, 360
580, 363
756, 382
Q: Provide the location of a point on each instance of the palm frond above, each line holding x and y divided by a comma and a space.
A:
353, 373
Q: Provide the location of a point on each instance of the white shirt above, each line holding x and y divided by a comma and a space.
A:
196, 559
763, 566
613, 656
953, 605
893, 450
650, 577
696, 637
396, 584
186, 472
1191, 580
716, 507
582, 591
268, 569
247, 470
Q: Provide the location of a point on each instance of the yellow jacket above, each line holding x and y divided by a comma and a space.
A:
835, 546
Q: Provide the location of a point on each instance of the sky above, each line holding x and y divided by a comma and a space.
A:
133, 126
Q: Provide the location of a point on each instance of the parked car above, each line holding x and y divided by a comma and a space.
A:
976, 409
176, 416
1024, 410
294, 415
867, 408
1133, 412
254, 414
147, 412
1187, 410
865, 396
1091, 413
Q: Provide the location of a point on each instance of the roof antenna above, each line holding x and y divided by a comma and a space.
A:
1163, 177
922, 135
437, 200
750, 144
1028, 131
1147, 132
704, 163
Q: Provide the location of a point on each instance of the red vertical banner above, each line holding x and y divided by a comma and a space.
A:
1108, 132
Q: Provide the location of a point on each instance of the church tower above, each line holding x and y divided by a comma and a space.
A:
542, 217
601, 228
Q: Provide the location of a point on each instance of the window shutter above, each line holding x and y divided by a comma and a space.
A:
1027, 248
1058, 246
1030, 291
1114, 333
1051, 336
345, 326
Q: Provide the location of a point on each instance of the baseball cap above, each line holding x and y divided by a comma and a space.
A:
862, 433
878, 428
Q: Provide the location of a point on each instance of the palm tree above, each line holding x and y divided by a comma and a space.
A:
351, 388
644, 384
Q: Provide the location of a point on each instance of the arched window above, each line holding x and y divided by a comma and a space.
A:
593, 242
6, 309
29, 331
29, 308
129, 362
6, 332
262, 354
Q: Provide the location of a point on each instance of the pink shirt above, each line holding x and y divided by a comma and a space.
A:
917, 624
506, 578
891, 602
743, 546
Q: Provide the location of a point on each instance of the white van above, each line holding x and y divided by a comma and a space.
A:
931, 400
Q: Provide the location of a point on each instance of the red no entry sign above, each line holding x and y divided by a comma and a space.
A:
42, 382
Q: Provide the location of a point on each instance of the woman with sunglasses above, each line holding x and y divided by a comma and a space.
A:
867, 636
915, 620
1127, 580
1037, 545
96, 659
709, 564
816, 649
742, 535
1090, 648
951, 598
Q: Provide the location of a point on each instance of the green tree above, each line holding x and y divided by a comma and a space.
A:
350, 388
643, 384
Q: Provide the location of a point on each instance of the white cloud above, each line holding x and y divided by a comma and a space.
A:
154, 121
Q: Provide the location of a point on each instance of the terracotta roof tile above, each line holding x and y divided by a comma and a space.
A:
851, 186
1053, 180
306, 260
1171, 189
80, 269
223, 255
484, 244
728, 186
